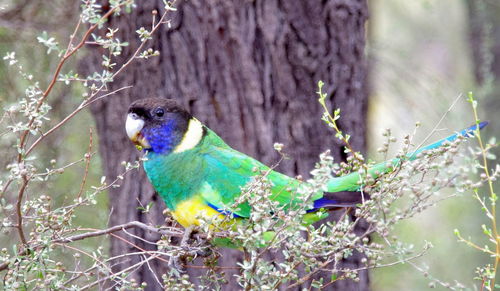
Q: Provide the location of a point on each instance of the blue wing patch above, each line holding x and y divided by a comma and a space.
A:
327, 203
224, 212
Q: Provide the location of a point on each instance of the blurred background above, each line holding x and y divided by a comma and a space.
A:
423, 55
422, 58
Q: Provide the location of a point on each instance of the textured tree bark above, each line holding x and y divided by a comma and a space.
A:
484, 36
248, 70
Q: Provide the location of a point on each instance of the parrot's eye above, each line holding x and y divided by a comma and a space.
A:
159, 112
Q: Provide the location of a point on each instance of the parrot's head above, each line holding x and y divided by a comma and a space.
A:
162, 126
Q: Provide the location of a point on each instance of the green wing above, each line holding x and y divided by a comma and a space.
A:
229, 170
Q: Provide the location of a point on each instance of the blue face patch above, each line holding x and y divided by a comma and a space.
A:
163, 139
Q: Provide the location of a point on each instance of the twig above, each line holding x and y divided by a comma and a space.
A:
45, 94
71, 115
102, 263
118, 273
133, 224
439, 122
91, 100
308, 276
63, 60
491, 190
175, 233
19, 210
88, 155
153, 272
116, 228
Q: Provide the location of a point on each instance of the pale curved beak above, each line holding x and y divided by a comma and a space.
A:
133, 126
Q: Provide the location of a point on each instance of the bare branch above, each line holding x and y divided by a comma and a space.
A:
173, 232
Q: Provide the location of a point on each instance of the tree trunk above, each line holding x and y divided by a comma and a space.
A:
248, 70
484, 36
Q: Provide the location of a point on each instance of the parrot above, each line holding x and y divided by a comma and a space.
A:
198, 175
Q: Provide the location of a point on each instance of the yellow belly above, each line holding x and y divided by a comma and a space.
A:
187, 212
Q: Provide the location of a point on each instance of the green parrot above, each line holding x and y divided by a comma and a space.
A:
197, 174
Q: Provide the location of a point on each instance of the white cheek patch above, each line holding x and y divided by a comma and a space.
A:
133, 125
192, 137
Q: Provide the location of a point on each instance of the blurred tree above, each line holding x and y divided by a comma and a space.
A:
484, 21
20, 24
249, 70
484, 35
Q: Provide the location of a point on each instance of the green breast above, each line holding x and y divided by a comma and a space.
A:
177, 176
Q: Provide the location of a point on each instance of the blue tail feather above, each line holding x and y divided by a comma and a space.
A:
468, 133
350, 182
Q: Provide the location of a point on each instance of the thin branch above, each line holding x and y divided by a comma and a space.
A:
88, 156
45, 94
116, 228
71, 115
136, 224
19, 210
133, 224
118, 273
91, 100
439, 122
63, 60
308, 276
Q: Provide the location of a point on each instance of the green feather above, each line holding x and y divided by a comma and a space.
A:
188, 163
217, 172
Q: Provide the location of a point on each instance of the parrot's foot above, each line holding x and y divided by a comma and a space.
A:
186, 250
187, 235
199, 246
177, 263
204, 252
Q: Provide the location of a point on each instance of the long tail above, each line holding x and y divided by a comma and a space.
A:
350, 182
